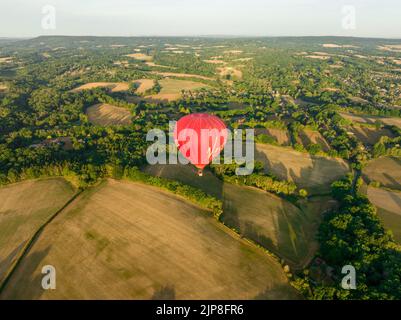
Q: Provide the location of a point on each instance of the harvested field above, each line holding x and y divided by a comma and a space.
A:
181, 75
388, 204
313, 137
272, 222
123, 63
124, 240
108, 115
233, 51
280, 136
3, 87
318, 57
370, 135
388, 200
163, 97
24, 208
113, 86
243, 59
140, 56
176, 86
313, 173
371, 119
230, 71
152, 64
393, 47
6, 59
172, 89
144, 85
332, 45
386, 170
215, 61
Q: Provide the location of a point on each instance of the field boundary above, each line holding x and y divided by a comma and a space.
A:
25, 250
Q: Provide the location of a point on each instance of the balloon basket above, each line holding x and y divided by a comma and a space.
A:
200, 173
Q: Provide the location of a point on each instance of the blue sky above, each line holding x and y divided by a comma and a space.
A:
373, 18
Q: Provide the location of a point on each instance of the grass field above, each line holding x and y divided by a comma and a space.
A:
388, 204
386, 170
267, 219
314, 173
24, 207
108, 115
371, 119
370, 135
313, 137
124, 240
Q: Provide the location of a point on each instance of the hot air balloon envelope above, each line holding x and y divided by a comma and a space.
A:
200, 137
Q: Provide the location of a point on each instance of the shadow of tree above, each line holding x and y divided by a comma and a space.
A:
7, 261
279, 292
394, 184
164, 293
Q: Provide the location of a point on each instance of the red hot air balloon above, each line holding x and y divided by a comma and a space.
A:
200, 137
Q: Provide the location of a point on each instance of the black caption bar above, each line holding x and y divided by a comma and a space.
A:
227, 310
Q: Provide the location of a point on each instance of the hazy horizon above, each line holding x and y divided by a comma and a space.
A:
211, 36
196, 18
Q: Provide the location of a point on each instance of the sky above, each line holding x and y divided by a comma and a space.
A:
363, 18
